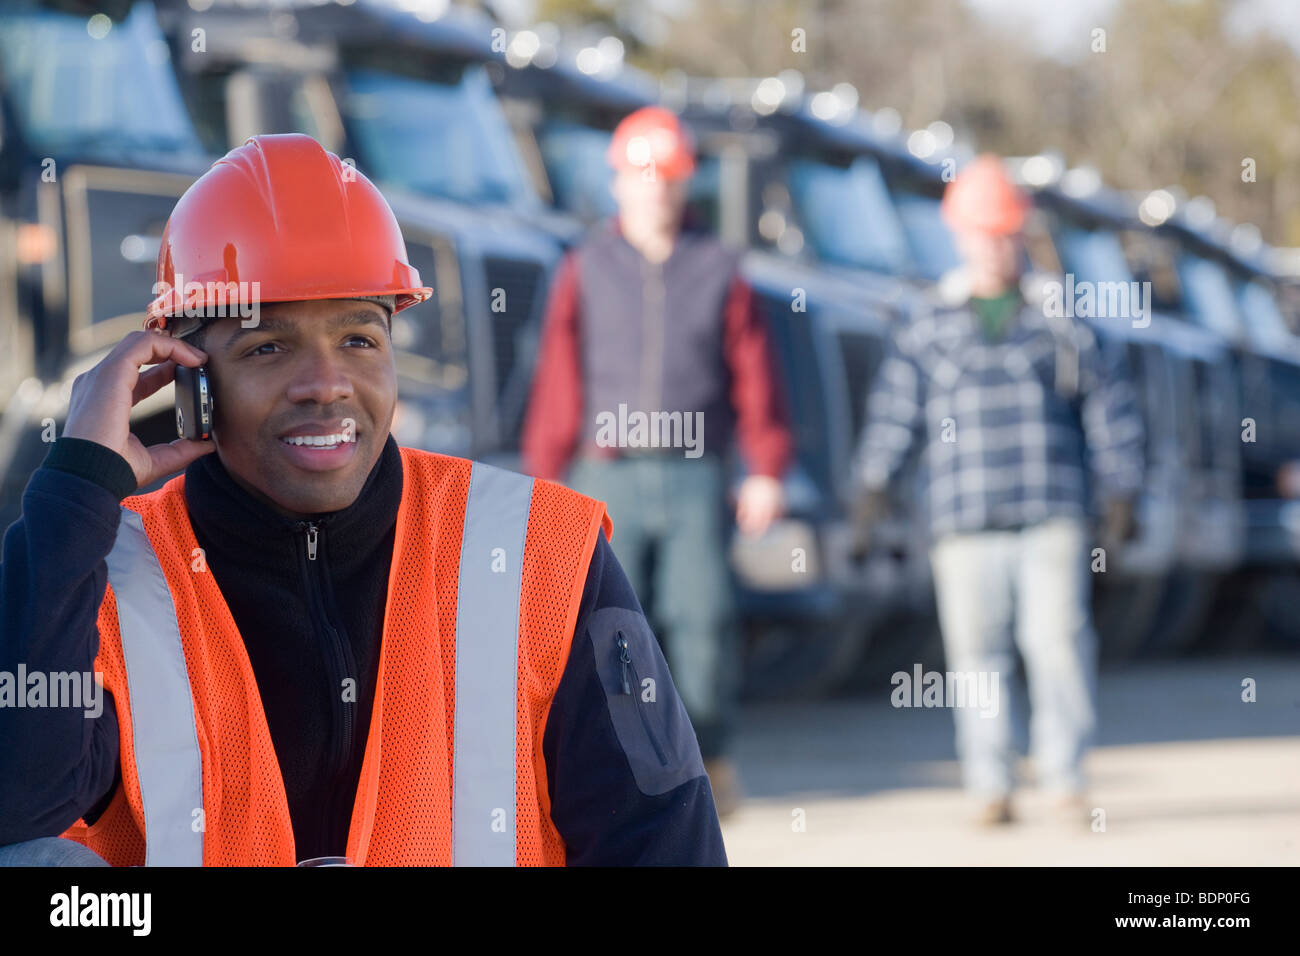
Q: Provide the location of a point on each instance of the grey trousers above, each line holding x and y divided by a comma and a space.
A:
49, 851
1033, 586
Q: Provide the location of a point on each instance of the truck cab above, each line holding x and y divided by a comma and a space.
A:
410, 102
805, 622
1237, 297
833, 217
1189, 512
95, 148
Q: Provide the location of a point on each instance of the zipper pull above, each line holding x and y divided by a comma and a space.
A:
311, 541
626, 659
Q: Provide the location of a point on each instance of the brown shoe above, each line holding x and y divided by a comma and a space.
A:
1072, 810
724, 779
994, 813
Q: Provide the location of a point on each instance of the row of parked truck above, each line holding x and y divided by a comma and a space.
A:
494, 165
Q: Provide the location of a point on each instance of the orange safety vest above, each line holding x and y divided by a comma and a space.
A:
487, 574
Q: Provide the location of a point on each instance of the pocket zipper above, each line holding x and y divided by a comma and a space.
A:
626, 660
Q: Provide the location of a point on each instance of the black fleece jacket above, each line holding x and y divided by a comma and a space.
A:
618, 795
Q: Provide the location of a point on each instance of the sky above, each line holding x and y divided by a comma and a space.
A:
1063, 27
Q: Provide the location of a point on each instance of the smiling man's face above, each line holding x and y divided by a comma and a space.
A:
303, 401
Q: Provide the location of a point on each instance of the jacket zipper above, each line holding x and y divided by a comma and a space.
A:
652, 316
626, 660
338, 665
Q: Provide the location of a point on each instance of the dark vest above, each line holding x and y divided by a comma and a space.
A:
652, 335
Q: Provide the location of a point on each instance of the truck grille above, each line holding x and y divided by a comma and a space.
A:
795, 348
514, 334
860, 354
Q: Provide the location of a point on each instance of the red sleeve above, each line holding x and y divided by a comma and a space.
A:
758, 394
553, 421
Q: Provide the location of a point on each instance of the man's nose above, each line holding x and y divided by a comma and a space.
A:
321, 377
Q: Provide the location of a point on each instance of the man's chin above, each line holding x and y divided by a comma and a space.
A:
296, 492
312, 501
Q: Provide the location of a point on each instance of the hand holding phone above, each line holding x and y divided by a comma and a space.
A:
102, 398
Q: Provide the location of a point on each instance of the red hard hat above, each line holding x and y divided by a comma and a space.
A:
984, 199
653, 135
282, 212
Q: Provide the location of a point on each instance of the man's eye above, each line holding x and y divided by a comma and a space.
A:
368, 341
265, 345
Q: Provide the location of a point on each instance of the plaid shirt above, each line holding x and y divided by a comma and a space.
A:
1012, 427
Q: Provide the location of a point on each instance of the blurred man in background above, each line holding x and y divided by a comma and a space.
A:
650, 324
1016, 405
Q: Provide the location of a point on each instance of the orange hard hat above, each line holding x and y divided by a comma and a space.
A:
279, 219
984, 199
653, 135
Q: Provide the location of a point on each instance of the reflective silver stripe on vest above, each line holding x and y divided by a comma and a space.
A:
166, 743
487, 648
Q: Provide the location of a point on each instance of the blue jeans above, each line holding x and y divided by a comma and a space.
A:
674, 509
49, 851
1038, 576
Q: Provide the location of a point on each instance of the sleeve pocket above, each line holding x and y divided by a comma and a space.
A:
649, 717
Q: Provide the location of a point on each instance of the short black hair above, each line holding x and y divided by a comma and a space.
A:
196, 337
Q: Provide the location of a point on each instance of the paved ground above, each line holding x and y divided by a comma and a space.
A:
1186, 773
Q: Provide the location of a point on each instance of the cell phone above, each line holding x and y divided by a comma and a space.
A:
193, 403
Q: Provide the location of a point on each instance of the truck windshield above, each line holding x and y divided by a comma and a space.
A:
574, 156
1091, 255
929, 240
1260, 309
1207, 293
92, 85
445, 138
847, 213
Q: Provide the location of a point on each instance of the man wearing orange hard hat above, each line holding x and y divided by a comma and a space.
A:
316, 645
1022, 415
653, 357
